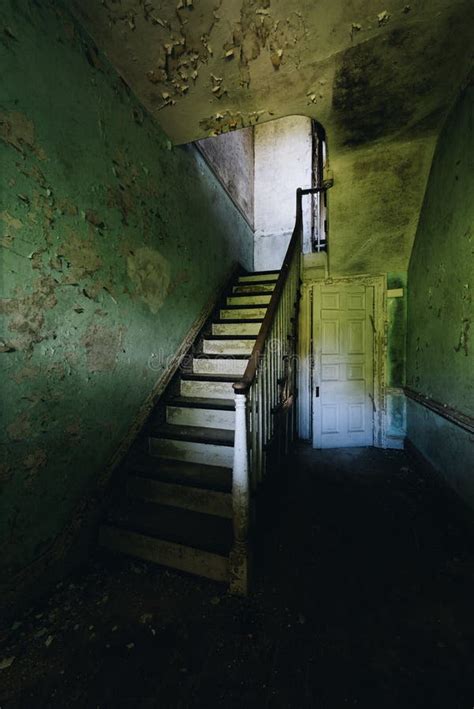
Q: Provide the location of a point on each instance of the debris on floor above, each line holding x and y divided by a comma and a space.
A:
363, 597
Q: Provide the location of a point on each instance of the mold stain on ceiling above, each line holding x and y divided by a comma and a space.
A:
205, 66
380, 77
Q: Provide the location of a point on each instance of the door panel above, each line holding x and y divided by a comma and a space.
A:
344, 370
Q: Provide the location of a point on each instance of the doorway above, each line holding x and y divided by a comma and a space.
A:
341, 374
343, 394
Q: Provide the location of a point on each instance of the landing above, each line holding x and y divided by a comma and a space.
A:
364, 599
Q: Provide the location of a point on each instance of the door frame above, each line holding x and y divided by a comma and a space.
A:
309, 365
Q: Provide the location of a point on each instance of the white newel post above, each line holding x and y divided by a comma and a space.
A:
239, 557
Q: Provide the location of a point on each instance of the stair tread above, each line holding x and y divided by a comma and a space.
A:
231, 338
223, 378
196, 434
249, 306
206, 355
202, 403
256, 283
261, 273
237, 321
208, 477
249, 293
173, 524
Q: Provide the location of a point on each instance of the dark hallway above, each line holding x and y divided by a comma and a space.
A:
364, 599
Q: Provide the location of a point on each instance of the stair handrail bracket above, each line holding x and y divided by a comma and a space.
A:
264, 397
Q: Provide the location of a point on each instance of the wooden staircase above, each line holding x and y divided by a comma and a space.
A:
175, 504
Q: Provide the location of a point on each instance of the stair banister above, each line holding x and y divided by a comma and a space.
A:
266, 390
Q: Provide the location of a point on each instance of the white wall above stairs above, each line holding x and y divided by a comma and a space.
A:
283, 162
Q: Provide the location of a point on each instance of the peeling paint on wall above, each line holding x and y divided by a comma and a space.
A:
440, 281
111, 245
150, 276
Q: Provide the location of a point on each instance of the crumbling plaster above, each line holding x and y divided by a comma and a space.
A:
440, 363
380, 78
112, 242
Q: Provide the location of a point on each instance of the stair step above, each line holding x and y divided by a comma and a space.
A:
196, 434
245, 312
260, 287
172, 524
184, 496
249, 299
208, 364
166, 553
259, 276
203, 403
237, 327
194, 411
203, 386
193, 444
217, 345
208, 477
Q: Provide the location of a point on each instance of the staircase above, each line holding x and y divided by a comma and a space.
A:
175, 506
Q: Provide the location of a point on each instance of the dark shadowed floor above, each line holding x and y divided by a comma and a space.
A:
364, 598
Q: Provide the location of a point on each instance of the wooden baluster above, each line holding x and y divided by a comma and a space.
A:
253, 434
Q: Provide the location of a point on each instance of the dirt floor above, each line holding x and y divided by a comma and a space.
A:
364, 597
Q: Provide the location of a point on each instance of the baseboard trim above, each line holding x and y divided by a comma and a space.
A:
447, 412
467, 514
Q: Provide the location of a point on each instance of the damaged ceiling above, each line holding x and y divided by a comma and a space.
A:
363, 68
379, 76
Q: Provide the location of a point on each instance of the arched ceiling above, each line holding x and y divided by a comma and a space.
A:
379, 75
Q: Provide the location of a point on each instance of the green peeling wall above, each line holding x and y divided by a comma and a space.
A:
440, 349
112, 242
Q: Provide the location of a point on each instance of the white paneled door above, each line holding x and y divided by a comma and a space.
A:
343, 386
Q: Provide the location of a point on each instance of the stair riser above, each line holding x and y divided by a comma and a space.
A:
207, 390
244, 314
219, 366
247, 328
195, 499
254, 288
228, 347
256, 277
207, 418
248, 299
205, 453
176, 556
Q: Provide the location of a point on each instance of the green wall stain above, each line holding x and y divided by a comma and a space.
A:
112, 242
440, 353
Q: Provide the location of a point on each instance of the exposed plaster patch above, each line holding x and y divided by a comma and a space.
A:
5, 473
27, 313
20, 428
82, 257
102, 345
18, 131
149, 273
10, 221
25, 373
227, 121
74, 429
35, 460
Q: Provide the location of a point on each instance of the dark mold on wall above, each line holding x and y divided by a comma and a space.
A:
111, 244
367, 101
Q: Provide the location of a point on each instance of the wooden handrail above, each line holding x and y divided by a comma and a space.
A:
243, 386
